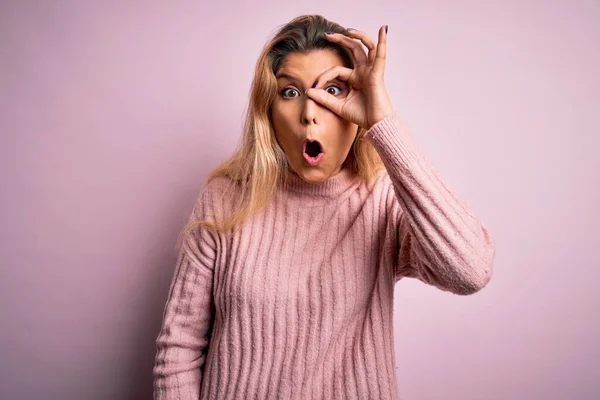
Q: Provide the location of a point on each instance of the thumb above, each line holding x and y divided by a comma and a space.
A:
326, 99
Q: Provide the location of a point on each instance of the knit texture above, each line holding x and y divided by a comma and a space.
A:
299, 303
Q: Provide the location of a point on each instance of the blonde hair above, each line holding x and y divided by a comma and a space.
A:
259, 164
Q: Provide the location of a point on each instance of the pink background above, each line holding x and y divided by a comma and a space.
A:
113, 113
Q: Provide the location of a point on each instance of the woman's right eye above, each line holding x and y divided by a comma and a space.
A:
285, 90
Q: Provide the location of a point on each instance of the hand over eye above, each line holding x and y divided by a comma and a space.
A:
367, 101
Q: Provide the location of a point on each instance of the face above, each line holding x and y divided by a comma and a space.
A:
316, 141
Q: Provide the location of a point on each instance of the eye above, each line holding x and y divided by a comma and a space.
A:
333, 86
285, 90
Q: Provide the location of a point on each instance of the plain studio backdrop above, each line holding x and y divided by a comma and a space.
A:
113, 113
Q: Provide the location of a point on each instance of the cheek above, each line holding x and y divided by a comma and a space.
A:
279, 118
284, 138
345, 140
283, 132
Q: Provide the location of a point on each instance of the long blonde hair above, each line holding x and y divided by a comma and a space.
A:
259, 164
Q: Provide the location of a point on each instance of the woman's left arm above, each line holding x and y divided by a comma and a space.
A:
440, 239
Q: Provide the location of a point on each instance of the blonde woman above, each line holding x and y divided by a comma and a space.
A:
284, 284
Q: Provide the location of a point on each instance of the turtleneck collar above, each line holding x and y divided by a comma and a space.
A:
330, 188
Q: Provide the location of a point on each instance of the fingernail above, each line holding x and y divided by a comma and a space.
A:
314, 84
351, 29
386, 28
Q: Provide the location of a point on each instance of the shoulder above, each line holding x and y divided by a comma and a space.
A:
381, 184
219, 186
215, 196
382, 190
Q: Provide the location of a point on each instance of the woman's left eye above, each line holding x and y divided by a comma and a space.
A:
333, 86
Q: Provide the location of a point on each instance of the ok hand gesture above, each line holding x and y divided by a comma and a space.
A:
368, 101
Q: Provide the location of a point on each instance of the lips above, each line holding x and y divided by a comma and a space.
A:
312, 151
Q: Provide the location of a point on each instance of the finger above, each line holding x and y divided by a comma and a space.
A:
380, 56
366, 40
343, 73
360, 57
326, 99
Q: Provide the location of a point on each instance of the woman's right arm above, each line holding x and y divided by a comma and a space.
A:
188, 314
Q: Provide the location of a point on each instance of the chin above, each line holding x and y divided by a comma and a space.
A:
312, 175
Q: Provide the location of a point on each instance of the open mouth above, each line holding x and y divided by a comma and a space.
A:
313, 148
312, 151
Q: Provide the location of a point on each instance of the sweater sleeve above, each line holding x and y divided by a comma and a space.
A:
439, 239
184, 336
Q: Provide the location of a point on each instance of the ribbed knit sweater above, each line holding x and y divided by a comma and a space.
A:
298, 304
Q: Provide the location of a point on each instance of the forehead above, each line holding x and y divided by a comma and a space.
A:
307, 67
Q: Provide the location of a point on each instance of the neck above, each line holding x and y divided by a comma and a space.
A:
331, 187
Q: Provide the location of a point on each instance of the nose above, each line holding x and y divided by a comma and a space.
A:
309, 111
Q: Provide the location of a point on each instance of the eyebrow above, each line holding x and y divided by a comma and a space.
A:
293, 78
286, 75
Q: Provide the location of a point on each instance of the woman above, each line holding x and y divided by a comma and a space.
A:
285, 288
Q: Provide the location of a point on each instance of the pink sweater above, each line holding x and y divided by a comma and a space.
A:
299, 303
